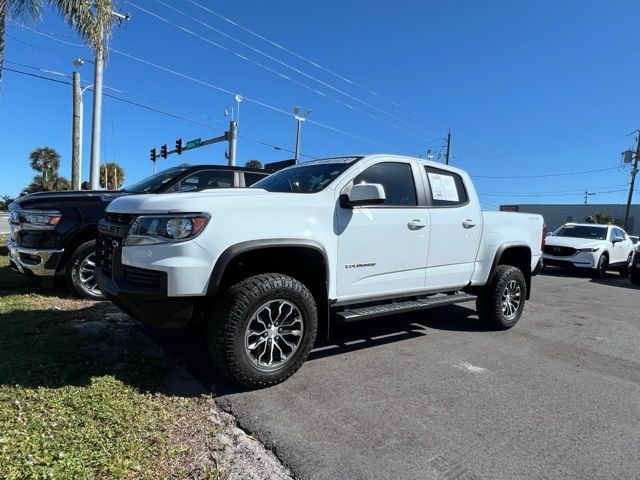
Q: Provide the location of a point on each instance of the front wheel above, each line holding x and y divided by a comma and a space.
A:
602, 266
80, 272
263, 330
501, 302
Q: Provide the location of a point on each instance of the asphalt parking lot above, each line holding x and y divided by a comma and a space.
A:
433, 395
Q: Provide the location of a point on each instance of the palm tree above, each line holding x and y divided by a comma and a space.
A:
92, 20
111, 176
46, 161
253, 164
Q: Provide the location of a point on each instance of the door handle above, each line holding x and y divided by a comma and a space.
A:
416, 224
468, 223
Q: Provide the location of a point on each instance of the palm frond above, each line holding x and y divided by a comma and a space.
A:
91, 20
24, 9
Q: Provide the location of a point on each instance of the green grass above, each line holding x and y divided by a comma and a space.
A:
81, 397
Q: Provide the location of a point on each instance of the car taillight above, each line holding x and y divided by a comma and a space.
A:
544, 236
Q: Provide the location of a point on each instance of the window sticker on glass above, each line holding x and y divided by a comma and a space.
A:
443, 187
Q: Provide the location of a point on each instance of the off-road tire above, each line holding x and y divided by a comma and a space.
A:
489, 301
225, 335
72, 272
626, 270
634, 275
602, 266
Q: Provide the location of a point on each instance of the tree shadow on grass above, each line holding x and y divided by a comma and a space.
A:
55, 348
14, 283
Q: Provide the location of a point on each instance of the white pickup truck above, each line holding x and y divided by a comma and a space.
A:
340, 239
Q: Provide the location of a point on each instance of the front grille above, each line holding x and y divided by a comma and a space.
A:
125, 218
105, 246
559, 251
141, 276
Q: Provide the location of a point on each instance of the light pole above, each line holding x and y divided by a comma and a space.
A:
299, 119
78, 113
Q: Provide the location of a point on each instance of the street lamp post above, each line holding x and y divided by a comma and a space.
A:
299, 119
78, 113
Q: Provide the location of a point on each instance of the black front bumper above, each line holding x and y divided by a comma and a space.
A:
151, 306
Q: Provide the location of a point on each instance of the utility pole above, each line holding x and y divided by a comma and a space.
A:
448, 147
76, 136
586, 197
299, 118
634, 172
232, 137
96, 127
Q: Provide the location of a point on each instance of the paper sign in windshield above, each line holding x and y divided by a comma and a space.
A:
443, 187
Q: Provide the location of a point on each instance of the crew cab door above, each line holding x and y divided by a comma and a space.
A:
456, 228
382, 249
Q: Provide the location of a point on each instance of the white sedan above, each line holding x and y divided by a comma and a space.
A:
596, 247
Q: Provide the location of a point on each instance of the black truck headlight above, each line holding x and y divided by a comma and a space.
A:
152, 229
37, 219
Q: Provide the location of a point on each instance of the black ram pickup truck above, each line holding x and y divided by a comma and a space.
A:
53, 234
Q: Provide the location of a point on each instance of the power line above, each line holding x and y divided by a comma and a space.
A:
242, 57
146, 107
291, 67
277, 45
547, 175
548, 194
221, 89
581, 191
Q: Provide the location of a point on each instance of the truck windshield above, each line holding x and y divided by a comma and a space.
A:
582, 231
310, 177
152, 183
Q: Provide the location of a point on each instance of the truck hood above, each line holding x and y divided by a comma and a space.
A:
53, 200
208, 199
574, 242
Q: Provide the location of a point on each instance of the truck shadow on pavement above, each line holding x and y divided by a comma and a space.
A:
189, 346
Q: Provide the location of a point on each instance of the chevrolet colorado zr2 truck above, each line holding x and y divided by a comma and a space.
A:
53, 234
340, 239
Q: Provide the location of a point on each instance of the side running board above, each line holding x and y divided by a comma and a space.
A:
360, 313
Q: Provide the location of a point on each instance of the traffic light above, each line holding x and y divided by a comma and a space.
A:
163, 151
154, 155
179, 146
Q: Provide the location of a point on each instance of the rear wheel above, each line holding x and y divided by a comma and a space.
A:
501, 302
263, 329
634, 274
80, 272
626, 270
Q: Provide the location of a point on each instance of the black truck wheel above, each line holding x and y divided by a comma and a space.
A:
263, 329
80, 272
634, 274
501, 302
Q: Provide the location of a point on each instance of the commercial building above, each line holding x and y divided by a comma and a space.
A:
557, 215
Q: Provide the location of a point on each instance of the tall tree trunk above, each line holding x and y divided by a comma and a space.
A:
3, 19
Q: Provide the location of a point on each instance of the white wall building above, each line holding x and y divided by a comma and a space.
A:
556, 215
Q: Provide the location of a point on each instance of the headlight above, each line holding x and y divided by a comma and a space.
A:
151, 229
38, 220
588, 250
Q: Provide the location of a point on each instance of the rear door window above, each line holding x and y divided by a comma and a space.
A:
251, 178
204, 179
446, 188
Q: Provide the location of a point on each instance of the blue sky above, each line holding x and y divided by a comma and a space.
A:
527, 88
